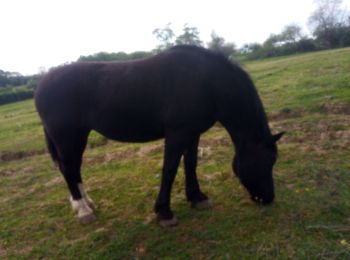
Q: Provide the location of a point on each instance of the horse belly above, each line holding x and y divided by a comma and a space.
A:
130, 131
133, 137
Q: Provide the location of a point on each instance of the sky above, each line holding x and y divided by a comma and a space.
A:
39, 34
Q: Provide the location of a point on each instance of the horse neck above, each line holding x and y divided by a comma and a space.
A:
239, 107
242, 138
248, 125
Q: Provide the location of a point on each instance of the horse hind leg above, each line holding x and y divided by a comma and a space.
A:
81, 203
69, 152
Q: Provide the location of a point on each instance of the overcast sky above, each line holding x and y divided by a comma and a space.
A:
46, 33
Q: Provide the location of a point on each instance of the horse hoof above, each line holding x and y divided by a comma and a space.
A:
86, 219
91, 204
168, 222
204, 204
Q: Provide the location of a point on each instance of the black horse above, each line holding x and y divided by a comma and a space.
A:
176, 95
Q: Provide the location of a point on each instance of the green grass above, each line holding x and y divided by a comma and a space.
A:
306, 95
304, 82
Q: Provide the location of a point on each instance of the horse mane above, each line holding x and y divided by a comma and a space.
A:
259, 121
217, 54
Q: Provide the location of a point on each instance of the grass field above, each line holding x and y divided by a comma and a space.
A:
306, 95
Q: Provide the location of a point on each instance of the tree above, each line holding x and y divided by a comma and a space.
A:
291, 33
216, 41
251, 47
115, 56
326, 20
32, 83
165, 36
273, 40
190, 36
8, 78
219, 44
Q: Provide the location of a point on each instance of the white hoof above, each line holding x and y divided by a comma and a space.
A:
86, 219
90, 202
84, 213
83, 193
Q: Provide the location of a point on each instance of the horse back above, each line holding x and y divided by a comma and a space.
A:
130, 101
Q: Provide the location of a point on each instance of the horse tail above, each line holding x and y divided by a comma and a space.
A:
51, 147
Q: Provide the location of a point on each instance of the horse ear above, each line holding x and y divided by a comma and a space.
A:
278, 136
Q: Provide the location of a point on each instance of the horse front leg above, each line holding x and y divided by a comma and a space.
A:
174, 148
193, 193
85, 196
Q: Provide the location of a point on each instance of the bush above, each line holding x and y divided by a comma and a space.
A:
119, 56
306, 45
15, 94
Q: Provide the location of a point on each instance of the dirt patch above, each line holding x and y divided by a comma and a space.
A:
325, 108
140, 249
70, 242
284, 114
207, 146
212, 176
54, 181
204, 150
25, 170
2, 252
147, 149
119, 155
7, 156
329, 108
216, 141
318, 137
25, 250
98, 142
125, 154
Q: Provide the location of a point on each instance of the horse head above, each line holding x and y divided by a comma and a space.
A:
253, 165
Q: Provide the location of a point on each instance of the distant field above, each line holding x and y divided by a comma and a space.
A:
306, 95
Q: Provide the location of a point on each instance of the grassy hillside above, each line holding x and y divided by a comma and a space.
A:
306, 95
